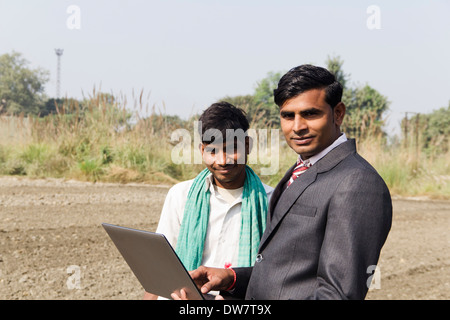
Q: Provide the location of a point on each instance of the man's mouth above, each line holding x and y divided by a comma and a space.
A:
224, 170
302, 140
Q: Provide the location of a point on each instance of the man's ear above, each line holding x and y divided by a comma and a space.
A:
339, 113
201, 147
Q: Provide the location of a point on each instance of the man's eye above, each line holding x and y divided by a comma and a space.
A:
210, 151
287, 115
310, 113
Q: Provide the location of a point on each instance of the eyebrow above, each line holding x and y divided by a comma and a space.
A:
305, 112
311, 110
286, 113
225, 145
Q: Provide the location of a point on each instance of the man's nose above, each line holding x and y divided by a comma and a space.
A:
299, 124
223, 159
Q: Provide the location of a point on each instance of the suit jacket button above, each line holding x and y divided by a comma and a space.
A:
259, 257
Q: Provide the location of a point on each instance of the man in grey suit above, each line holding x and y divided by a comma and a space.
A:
330, 214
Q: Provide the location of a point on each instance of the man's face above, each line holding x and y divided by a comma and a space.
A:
309, 124
226, 162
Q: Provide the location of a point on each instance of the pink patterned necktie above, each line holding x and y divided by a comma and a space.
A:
298, 170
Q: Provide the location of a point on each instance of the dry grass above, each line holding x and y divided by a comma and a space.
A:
104, 141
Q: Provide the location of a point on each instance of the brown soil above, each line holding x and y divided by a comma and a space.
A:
50, 232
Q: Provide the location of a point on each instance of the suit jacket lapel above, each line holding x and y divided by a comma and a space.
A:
278, 191
273, 202
282, 203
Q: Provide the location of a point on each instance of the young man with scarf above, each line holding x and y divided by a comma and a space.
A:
218, 218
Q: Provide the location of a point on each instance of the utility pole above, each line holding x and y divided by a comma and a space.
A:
59, 53
406, 129
416, 135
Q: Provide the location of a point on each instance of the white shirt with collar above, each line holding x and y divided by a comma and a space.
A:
224, 225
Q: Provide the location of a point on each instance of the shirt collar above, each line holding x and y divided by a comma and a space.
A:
312, 160
209, 182
210, 186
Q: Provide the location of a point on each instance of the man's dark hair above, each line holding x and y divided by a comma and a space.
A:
222, 116
307, 77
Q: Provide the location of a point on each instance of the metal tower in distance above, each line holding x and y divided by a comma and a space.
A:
59, 53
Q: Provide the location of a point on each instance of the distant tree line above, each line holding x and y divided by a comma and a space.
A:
22, 92
429, 132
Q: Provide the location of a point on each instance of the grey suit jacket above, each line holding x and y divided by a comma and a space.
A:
323, 233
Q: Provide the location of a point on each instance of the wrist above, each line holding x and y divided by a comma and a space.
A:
231, 274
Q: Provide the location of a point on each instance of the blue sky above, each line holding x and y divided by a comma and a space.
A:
189, 54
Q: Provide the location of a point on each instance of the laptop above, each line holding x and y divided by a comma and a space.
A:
154, 262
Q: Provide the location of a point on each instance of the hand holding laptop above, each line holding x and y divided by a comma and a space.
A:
208, 279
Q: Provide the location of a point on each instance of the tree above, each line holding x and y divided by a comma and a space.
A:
248, 104
260, 107
365, 106
263, 99
433, 130
334, 65
21, 88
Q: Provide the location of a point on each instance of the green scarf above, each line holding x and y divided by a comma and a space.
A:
191, 238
